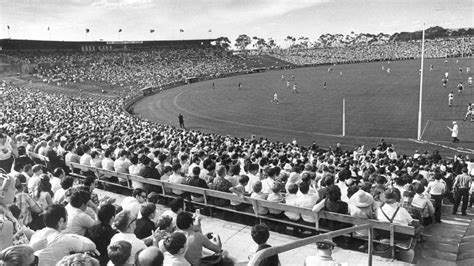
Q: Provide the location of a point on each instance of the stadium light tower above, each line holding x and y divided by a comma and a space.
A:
421, 82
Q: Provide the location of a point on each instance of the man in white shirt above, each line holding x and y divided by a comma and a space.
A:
306, 200
51, 244
122, 164
79, 221
35, 179
177, 178
253, 177
86, 157
133, 204
268, 182
55, 180
107, 162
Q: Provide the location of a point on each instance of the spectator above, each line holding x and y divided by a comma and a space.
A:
390, 211
44, 194
221, 184
55, 180
102, 232
134, 203
306, 200
59, 196
462, 183
260, 234
18, 255
78, 259
437, 188
239, 191
177, 178
195, 181
78, 220
150, 256
124, 222
323, 255
119, 252
195, 240
52, 243
175, 249
176, 207
275, 196
258, 194
291, 200
424, 205
145, 225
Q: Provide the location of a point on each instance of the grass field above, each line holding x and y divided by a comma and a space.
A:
377, 104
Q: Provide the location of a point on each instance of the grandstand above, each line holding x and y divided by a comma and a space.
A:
79, 106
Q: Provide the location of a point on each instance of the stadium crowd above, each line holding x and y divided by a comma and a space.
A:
374, 183
53, 216
436, 48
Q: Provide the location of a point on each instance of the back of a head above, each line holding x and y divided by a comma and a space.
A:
184, 220
137, 192
119, 252
53, 214
106, 212
67, 182
78, 259
260, 233
175, 242
122, 220
16, 255
150, 256
147, 209
176, 204
79, 197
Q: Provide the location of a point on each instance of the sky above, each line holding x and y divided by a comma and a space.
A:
68, 19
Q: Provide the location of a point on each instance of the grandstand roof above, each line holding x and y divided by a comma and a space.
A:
28, 45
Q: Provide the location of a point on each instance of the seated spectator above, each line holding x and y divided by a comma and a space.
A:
175, 249
361, 206
66, 183
7, 196
15, 211
291, 200
195, 181
176, 207
18, 255
55, 180
275, 196
239, 191
177, 178
102, 232
423, 206
78, 259
258, 194
78, 220
390, 211
306, 200
323, 255
124, 222
134, 203
332, 203
221, 184
260, 234
145, 225
43, 195
52, 243
119, 252
150, 256
165, 223
195, 240
29, 208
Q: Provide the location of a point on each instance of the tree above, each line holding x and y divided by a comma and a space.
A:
223, 42
242, 41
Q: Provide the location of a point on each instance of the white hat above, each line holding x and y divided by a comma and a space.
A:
454, 122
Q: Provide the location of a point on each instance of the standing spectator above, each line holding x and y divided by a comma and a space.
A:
102, 232
462, 183
436, 189
52, 243
323, 255
260, 234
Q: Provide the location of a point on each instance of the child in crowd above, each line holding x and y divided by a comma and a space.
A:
258, 194
239, 191
260, 234
276, 196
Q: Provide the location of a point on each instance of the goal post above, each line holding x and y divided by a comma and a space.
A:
343, 117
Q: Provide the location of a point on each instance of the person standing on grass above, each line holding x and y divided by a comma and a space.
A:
181, 121
450, 99
454, 132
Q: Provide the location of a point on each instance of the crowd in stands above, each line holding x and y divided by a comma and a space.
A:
376, 183
436, 48
53, 216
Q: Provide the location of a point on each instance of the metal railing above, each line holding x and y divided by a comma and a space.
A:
262, 254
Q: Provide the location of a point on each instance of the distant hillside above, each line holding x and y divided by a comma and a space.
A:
339, 40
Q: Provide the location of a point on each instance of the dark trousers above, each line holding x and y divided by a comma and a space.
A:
438, 202
462, 193
471, 200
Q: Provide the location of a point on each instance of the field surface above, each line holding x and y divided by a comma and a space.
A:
378, 105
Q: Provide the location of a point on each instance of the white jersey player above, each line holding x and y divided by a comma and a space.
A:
446, 74
275, 98
295, 90
470, 112
450, 99
469, 81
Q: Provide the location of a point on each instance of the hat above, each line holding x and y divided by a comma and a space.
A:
362, 199
454, 122
325, 244
287, 167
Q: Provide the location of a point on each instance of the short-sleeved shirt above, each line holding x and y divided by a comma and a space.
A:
402, 217
137, 244
78, 221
